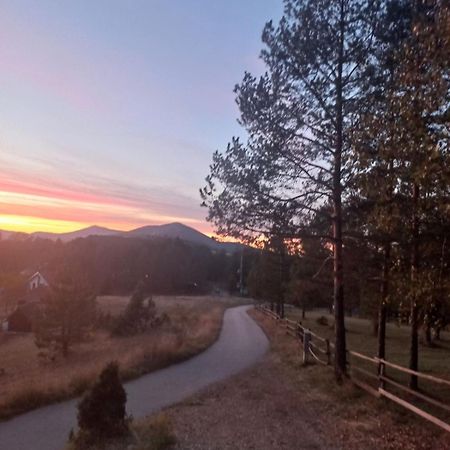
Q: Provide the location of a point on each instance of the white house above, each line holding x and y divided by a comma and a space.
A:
37, 280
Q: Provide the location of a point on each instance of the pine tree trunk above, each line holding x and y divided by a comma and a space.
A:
338, 281
383, 303
282, 276
340, 357
64, 341
414, 343
437, 330
375, 322
427, 334
437, 334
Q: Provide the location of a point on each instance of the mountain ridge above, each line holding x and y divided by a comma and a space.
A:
174, 230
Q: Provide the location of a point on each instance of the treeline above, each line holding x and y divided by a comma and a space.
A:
348, 146
115, 265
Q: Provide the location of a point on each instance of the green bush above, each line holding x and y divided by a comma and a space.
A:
101, 412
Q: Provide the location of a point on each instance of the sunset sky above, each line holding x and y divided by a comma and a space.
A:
110, 110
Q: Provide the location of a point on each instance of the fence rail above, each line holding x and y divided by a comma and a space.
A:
314, 345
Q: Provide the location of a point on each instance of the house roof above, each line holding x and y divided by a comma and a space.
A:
38, 273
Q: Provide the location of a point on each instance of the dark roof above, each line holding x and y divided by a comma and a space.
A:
36, 295
30, 310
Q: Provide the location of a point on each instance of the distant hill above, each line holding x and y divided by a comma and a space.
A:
171, 230
85, 232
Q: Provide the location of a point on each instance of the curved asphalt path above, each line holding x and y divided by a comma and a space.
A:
241, 343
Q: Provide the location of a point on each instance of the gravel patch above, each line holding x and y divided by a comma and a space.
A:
255, 410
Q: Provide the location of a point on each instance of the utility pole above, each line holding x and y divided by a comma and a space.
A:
241, 274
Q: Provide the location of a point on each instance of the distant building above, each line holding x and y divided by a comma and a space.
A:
37, 280
29, 307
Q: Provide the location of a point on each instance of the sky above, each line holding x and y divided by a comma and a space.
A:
110, 110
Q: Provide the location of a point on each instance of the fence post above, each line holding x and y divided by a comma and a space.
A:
327, 343
381, 373
306, 341
299, 331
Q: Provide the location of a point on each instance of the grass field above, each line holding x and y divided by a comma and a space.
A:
435, 360
27, 383
432, 360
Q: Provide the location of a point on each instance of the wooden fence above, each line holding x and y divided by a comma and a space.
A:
369, 373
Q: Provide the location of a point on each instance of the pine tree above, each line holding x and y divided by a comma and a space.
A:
299, 117
405, 159
375, 147
138, 315
68, 314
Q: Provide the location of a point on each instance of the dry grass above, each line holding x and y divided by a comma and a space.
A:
28, 383
155, 433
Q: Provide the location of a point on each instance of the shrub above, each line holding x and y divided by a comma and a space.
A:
137, 317
101, 412
322, 320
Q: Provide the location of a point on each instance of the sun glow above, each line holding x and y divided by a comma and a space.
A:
28, 224
28, 213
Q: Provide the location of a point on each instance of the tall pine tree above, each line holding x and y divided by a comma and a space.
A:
299, 117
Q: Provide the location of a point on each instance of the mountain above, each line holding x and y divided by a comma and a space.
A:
180, 231
85, 232
171, 230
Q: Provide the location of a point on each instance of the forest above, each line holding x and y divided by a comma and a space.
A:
115, 265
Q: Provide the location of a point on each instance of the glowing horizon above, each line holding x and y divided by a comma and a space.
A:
28, 225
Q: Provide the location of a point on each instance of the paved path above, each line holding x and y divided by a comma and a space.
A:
241, 343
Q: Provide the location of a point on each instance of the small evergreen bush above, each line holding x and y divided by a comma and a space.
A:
101, 412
